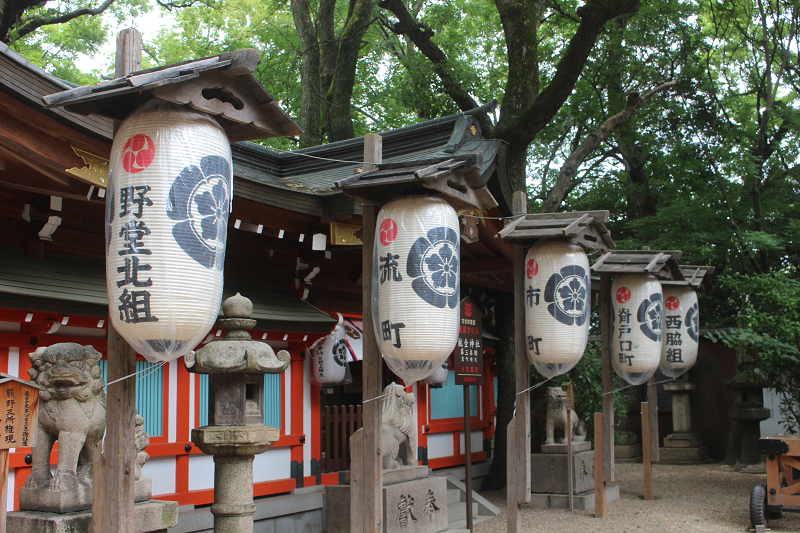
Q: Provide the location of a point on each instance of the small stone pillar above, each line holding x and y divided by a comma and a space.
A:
236, 365
682, 446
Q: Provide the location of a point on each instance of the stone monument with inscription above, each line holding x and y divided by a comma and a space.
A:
682, 445
549, 469
413, 501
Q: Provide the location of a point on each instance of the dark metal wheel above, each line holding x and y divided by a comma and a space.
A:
758, 506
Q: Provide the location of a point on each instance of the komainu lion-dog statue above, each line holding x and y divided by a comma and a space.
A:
398, 427
557, 418
72, 411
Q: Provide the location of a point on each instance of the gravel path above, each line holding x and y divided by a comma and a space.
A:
702, 498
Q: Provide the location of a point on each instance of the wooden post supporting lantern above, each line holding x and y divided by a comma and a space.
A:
645, 267
561, 292
171, 169
451, 183
19, 423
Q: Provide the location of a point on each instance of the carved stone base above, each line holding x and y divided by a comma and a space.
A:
581, 502
56, 501
562, 448
697, 454
416, 506
682, 440
549, 473
150, 517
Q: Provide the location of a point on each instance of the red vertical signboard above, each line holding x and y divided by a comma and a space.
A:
468, 354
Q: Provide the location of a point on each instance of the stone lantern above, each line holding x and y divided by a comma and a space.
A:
236, 366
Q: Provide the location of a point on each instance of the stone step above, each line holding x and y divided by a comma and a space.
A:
453, 496
458, 511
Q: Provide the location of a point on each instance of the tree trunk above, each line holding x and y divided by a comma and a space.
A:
339, 120
506, 385
310, 99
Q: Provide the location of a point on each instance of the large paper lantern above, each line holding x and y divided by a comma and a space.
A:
169, 193
638, 321
557, 306
416, 285
681, 330
330, 357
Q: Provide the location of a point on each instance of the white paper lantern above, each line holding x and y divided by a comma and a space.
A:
330, 356
416, 285
681, 330
169, 193
638, 321
439, 376
557, 306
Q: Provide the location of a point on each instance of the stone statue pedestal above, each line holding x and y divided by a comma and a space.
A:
73, 500
413, 502
682, 446
151, 517
628, 450
550, 484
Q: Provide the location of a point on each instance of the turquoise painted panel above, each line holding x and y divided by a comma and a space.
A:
203, 400
273, 400
495, 389
149, 394
448, 401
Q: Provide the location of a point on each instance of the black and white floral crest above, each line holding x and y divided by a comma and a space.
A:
651, 317
199, 200
433, 264
693, 322
568, 291
339, 352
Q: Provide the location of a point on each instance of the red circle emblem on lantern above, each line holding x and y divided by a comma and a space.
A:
138, 153
623, 294
533, 268
672, 303
388, 232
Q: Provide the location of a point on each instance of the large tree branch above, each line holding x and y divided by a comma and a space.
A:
34, 23
570, 167
421, 35
521, 129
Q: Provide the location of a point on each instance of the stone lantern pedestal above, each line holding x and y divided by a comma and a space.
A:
748, 410
682, 446
236, 365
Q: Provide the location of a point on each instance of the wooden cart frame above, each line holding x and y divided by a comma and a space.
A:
782, 491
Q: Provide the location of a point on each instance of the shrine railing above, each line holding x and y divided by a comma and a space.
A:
339, 422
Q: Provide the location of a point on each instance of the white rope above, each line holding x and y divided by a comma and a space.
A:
535, 386
316, 157
373, 399
149, 371
629, 386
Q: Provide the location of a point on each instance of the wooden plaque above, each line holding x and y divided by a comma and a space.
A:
19, 414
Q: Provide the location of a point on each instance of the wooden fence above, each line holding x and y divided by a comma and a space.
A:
339, 422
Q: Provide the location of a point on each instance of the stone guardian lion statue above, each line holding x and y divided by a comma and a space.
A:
557, 418
72, 411
398, 427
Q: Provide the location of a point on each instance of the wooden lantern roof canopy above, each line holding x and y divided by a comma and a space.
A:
223, 86
585, 228
695, 276
661, 263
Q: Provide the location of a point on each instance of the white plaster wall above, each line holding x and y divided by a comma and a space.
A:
11, 489
476, 442
306, 416
161, 470
272, 464
201, 472
13, 362
192, 401
440, 445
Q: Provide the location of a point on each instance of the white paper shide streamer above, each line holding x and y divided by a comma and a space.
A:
681, 331
330, 356
439, 376
638, 321
416, 285
557, 306
167, 207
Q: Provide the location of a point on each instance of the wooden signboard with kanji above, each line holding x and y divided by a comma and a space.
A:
19, 416
468, 354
